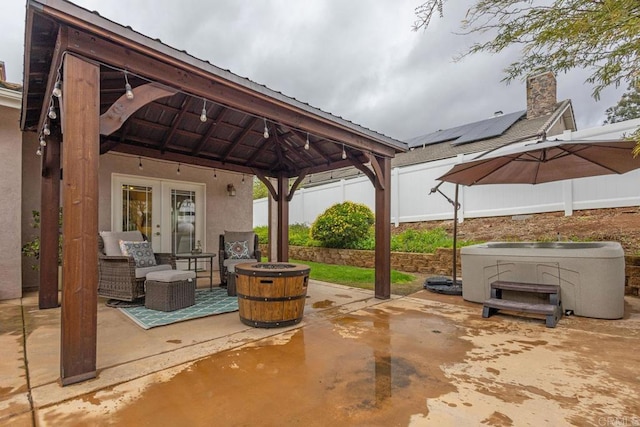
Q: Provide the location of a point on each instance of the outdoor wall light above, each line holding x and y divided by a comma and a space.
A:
231, 190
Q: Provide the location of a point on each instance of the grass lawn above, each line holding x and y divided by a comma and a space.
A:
358, 277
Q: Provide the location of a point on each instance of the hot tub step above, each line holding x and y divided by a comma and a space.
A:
526, 287
551, 311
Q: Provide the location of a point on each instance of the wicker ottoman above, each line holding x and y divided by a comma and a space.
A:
170, 290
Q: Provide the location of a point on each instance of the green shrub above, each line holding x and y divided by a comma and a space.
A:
299, 235
263, 234
343, 225
426, 241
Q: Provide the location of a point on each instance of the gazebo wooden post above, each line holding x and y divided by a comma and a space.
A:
383, 229
80, 124
283, 219
49, 227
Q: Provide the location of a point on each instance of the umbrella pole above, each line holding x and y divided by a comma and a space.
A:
455, 237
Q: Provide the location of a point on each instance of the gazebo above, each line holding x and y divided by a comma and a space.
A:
92, 86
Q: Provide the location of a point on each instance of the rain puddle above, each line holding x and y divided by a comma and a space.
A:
374, 367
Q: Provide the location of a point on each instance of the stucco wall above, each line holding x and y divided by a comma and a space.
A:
222, 211
30, 202
10, 206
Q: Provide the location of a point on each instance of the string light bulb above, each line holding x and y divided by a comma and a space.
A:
203, 115
178, 171
43, 142
46, 130
39, 152
306, 144
215, 175
52, 112
344, 153
266, 130
57, 88
243, 178
139, 163
127, 87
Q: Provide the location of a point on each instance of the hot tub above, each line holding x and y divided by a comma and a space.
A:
591, 275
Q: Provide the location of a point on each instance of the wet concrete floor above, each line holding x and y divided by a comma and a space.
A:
421, 360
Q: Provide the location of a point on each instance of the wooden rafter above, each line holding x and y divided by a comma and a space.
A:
172, 72
123, 108
176, 123
209, 133
238, 139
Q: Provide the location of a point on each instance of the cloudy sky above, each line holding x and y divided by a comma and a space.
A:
357, 59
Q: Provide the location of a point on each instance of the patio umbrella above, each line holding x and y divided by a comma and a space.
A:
546, 161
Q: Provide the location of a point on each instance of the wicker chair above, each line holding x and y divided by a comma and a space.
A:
226, 263
118, 277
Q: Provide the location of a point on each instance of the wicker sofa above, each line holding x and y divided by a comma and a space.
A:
118, 276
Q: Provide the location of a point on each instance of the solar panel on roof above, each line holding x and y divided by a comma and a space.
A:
489, 128
470, 132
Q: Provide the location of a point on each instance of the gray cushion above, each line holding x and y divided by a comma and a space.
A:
142, 272
239, 236
141, 252
112, 239
231, 263
171, 275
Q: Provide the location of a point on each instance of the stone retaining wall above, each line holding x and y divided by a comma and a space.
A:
438, 263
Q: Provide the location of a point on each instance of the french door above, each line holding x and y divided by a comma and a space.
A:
170, 213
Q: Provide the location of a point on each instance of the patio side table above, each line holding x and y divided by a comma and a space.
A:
204, 257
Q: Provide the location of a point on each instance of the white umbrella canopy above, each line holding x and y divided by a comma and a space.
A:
546, 161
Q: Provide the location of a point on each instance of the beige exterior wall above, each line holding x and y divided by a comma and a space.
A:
30, 202
222, 211
10, 189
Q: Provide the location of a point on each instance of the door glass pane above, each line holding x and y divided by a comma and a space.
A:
183, 221
136, 209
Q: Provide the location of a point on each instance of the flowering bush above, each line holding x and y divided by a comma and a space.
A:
343, 225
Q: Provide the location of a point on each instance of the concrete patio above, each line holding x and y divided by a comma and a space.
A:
426, 359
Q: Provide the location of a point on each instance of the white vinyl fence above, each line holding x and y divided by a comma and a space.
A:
411, 201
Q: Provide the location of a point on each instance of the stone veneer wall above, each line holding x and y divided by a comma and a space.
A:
438, 263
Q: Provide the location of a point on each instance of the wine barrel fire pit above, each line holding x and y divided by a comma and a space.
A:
271, 294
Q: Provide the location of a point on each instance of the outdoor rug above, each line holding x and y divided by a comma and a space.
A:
207, 303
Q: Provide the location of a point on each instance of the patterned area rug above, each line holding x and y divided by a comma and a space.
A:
208, 303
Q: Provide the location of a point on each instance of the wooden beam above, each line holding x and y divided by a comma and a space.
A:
184, 109
56, 62
212, 128
238, 139
296, 184
123, 108
49, 227
283, 220
191, 79
185, 158
383, 230
267, 183
81, 126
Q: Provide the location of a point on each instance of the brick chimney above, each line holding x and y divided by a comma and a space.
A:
541, 94
3, 74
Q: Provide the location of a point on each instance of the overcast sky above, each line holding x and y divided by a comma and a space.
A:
357, 59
